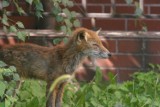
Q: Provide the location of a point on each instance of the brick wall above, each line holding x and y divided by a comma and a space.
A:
131, 52
151, 7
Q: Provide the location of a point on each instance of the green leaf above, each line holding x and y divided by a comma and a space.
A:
16, 77
68, 23
56, 10
98, 76
2, 88
29, 1
20, 24
20, 10
73, 14
7, 103
12, 68
11, 98
5, 22
39, 6
69, 31
129, 2
138, 12
112, 77
70, 3
25, 95
76, 23
118, 94
96, 89
65, 40
5, 3
5, 29
57, 40
65, 2
21, 35
34, 102
64, 29
2, 104
5, 17
39, 14
123, 88
67, 12
59, 18
12, 28
2, 64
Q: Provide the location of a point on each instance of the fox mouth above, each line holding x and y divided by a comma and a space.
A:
104, 55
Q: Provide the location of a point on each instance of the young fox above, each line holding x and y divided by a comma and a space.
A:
48, 63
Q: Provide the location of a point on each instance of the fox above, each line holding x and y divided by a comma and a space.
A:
48, 63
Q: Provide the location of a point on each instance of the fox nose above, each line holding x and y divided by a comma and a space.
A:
109, 54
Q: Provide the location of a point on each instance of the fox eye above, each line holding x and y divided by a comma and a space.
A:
95, 45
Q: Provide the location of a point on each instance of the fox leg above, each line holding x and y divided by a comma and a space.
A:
51, 99
59, 96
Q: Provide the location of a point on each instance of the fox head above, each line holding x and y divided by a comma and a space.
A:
89, 43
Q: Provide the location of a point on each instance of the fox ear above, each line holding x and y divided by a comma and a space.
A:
97, 32
82, 36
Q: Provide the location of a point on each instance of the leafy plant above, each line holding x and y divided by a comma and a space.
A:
66, 18
30, 94
142, 91
138, 14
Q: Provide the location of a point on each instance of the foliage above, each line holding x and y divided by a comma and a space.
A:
67, 21
138, 14
31, 93
142, 91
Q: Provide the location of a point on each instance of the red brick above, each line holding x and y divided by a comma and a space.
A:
78, 1
154, 59
94, 9
153, 46
124, 61
110, 45
3, 41
9, 8
110, 24
107, 9
146, 10
133, 25
152, 25
125, 9
99, 1
130, 46
152, 1
155, 10
28, 21
86, 22
78, 9
124, 75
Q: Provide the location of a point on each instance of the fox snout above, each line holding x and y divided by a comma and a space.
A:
105, 53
